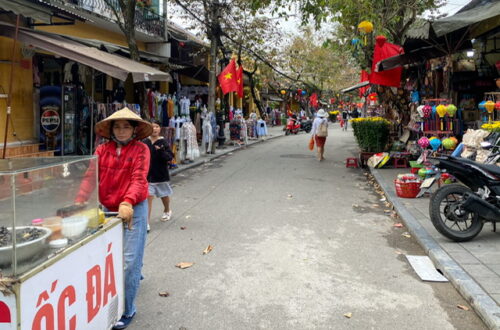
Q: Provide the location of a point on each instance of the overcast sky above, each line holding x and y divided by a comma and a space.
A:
292, 24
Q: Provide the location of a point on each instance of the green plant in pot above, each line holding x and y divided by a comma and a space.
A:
372, 133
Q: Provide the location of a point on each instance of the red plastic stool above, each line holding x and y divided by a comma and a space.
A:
400, 162
351, 162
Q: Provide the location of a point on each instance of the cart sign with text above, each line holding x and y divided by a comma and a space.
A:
8, 314
84, 290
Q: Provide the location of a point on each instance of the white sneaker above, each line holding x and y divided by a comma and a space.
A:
149, 228
166, 216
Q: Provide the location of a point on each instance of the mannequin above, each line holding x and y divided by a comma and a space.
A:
208, 135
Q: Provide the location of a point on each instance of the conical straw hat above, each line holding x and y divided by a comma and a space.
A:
143, 130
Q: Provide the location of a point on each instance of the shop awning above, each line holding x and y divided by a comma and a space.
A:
474, 13
200, 73
39, 10
354, 87
110, 64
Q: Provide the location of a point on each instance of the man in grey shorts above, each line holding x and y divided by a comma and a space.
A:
158, 176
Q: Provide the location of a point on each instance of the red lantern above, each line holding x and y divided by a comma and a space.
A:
372, 96
497, 105
299, 91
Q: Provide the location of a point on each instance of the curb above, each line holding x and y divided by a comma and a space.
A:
481, 302
211, 158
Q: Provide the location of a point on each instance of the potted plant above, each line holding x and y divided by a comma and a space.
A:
372, 135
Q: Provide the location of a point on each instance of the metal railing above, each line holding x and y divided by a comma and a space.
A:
146, 19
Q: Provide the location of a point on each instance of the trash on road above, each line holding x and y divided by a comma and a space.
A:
465, 308
425, 269
208, 249
183, 265
163, 294
183, 228
398, 225
348, 315
406, 234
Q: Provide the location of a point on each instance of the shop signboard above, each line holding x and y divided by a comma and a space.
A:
8, 320
50, 119
82, 290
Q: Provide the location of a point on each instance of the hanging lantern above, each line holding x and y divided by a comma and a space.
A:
423, 142
481, 106
441, 110
435, 143
490, 106
454, 139
434, 110
448, 144
451, 110
354, 41
497, 105
365, 27
304, 92
432, 138
299, 91
283, 92
372, 97
427, 110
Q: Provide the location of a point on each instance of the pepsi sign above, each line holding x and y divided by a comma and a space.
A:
50, 120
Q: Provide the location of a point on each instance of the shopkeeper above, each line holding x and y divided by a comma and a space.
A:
123, 165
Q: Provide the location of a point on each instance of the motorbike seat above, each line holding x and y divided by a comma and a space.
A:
493, 169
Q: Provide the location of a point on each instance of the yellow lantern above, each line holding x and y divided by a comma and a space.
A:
283, 92
490, 106
365, 27
441, 111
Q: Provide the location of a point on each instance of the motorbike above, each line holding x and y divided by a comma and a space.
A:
306, 125
458, 211
292, 126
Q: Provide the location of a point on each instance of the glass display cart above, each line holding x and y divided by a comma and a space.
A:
61, 263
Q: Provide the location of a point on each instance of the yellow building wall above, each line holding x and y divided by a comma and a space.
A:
83, 30
22, 95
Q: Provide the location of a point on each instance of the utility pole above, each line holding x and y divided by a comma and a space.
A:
212, 81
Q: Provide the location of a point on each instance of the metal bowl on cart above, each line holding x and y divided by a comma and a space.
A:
25, 250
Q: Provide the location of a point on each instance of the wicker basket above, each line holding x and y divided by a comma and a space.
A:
407, 189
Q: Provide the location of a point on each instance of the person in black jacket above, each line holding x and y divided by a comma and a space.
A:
158, 176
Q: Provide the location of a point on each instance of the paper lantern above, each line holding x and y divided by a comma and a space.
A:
283, 92
441, 110
434, 110
497, 105
454, 139
372, 96
365, 27
451, 110
435, 144
432, 138
354, 41
448, 144
481, 106
304, 92
427, 110
299, 91
490, 106
420, 111
423, 142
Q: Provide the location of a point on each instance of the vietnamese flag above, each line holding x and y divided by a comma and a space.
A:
239, 81
227, 78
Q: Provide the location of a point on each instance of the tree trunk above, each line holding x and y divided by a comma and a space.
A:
212, 79
254, 95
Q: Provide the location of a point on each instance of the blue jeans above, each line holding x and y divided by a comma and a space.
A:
133, 251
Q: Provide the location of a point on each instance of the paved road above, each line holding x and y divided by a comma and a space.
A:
297, 244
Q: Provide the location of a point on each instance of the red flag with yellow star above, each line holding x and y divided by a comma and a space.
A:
239, 81
227, 78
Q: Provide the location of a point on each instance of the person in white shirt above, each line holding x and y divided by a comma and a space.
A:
319, 132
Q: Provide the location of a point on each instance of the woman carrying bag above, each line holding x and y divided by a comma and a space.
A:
320, 132
123, 165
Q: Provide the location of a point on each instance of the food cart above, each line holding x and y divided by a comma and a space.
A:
63, 268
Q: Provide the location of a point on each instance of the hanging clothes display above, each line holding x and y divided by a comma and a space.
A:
189, 135
261, 128
208, 134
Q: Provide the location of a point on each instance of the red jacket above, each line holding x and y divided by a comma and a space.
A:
121, 178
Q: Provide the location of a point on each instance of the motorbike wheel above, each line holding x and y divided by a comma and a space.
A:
449, 218
287, 132
308, 130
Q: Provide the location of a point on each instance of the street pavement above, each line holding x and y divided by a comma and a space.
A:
297, 244
473, 267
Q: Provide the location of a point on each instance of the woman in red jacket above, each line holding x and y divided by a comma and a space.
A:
123, 165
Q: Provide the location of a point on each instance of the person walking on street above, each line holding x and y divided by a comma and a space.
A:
345, 119
122, 166
158, 176
320, 132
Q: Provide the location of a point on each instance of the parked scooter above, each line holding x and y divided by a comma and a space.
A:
459, 211
292, 126
306, 125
